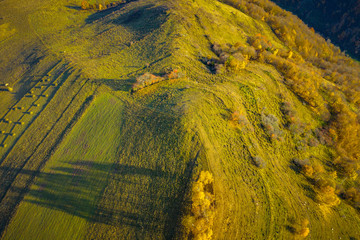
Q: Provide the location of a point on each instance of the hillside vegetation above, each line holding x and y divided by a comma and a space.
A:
198, 119
337, 20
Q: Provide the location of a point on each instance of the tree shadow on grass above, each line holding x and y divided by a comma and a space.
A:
143, 196
117, 85
77, 189
75, 7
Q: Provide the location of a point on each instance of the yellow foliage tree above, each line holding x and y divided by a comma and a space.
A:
85, 5
198, 223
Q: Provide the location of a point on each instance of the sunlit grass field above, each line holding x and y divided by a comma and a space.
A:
66, 193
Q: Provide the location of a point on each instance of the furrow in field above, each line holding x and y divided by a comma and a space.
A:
46, 130
20, 115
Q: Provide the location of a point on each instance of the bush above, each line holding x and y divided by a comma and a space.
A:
271, 126
260, 42
229, 59
307, 170
304, 232
352, 195
259, 162
85, 5
300, 162
236, 62
173, 73
347, 167
326, 192
145, 80
289, 112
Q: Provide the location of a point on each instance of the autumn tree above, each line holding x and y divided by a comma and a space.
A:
198, 223
85, 5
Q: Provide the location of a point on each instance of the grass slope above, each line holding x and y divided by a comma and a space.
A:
66, 192
119, 166
110, 177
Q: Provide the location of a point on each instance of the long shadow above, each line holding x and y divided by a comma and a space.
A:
147, 199
27, 81
143, 19
8, 207
102, 14
67, 189
176, 208
74, 7
117, 85
76, 190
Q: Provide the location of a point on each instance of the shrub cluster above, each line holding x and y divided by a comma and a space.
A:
289, 112
145, 80
345, 130
271, 126
299, 77
229, 59
325, 190
303, 230
148, 79
323, 185
259, 162
240, 119
324, 136
198, 223
300, 229
352, 195
347, 167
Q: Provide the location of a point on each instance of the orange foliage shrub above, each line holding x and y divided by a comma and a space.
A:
304, 232
148, 79
85, 5
307, 170
347, 127
145, 80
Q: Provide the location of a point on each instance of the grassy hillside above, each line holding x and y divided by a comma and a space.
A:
225, 88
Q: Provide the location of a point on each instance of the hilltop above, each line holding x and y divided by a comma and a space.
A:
195, 119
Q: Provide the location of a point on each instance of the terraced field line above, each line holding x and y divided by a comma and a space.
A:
28, 125
39, 96
43, 139
24, 97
